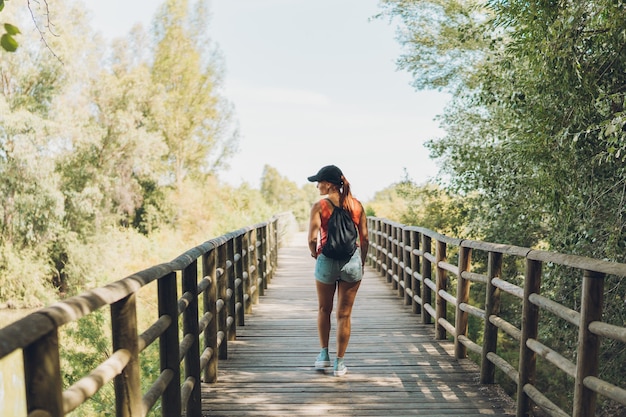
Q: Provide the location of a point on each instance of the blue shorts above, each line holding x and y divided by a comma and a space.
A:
329, 271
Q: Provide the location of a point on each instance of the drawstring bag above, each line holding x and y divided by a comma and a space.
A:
342, 235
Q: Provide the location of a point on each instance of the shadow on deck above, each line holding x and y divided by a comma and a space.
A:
396, 367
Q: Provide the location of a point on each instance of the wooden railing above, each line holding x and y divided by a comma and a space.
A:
415, 261
234, 270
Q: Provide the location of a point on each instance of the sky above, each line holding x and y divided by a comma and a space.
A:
312, 83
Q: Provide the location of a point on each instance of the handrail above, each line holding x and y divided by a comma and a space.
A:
407, 257
234, 270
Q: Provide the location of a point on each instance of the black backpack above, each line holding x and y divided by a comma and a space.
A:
342, 235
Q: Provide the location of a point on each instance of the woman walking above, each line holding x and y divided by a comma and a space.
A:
335, 275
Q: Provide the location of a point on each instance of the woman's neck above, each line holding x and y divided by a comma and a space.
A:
334, 197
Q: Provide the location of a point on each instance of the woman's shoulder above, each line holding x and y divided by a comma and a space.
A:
356, 204
323, 202
322, 205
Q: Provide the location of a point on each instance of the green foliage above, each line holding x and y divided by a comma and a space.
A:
84, 345
188, 111
154, 210
443, 40
387, 203
7, 40
284, 195
427, 206
535, 134
30, 207
82, 153
24, 279
208, 209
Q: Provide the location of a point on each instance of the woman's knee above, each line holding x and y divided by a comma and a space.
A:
344, 314
325, 309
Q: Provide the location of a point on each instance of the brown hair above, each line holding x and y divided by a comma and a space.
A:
346, 200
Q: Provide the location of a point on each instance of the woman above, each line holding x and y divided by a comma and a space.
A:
344, 276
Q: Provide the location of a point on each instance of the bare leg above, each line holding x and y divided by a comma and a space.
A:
345, 301
325, 296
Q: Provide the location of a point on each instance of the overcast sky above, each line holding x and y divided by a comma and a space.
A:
312, 83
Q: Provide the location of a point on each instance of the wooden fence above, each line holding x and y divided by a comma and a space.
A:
234, 268
415, 262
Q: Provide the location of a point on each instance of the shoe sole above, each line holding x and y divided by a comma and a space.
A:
342, 372
322, 364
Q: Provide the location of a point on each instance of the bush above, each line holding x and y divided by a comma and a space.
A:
24, 279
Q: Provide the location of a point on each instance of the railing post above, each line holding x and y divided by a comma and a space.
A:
269, 244
530, 323
378, 246
407, 266
253, 262
124, 332
209, 262
462, 297
42, 376
191, 329
169, 344
267, 254
222, 296
442, 284
262, 259
375, 232
396, 255
372, 238
383, 250
592, 298
426, 275
234, 291
274, 246
388, 261
248, 271
492, 308
415, 269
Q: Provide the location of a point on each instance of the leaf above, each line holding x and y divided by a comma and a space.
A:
1, 5
8, 43
610, 129
11, 30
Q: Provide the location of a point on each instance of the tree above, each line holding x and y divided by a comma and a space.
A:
427, 205
535, 126
444, 41
535, 135
33, 134
40, 17
283, 194
114, 168
189, 113
31, 204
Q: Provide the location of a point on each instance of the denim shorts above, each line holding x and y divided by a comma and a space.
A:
329, 271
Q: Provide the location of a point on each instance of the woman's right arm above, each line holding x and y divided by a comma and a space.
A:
315, 222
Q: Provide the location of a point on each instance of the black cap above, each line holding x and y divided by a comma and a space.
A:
328, 173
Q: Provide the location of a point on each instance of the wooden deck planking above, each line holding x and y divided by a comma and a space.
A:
396, 368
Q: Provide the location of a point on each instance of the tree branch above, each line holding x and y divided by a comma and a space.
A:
48, 25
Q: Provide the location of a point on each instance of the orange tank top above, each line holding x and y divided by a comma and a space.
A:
327, 209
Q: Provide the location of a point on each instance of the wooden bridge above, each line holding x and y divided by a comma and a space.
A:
396, 368
237, 336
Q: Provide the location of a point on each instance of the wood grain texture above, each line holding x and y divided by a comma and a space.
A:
396, 367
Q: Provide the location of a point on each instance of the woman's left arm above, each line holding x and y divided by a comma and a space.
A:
363, 235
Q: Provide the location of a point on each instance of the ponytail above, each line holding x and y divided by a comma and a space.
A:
345, 196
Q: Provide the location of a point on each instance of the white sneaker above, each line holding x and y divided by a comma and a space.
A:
340, 368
